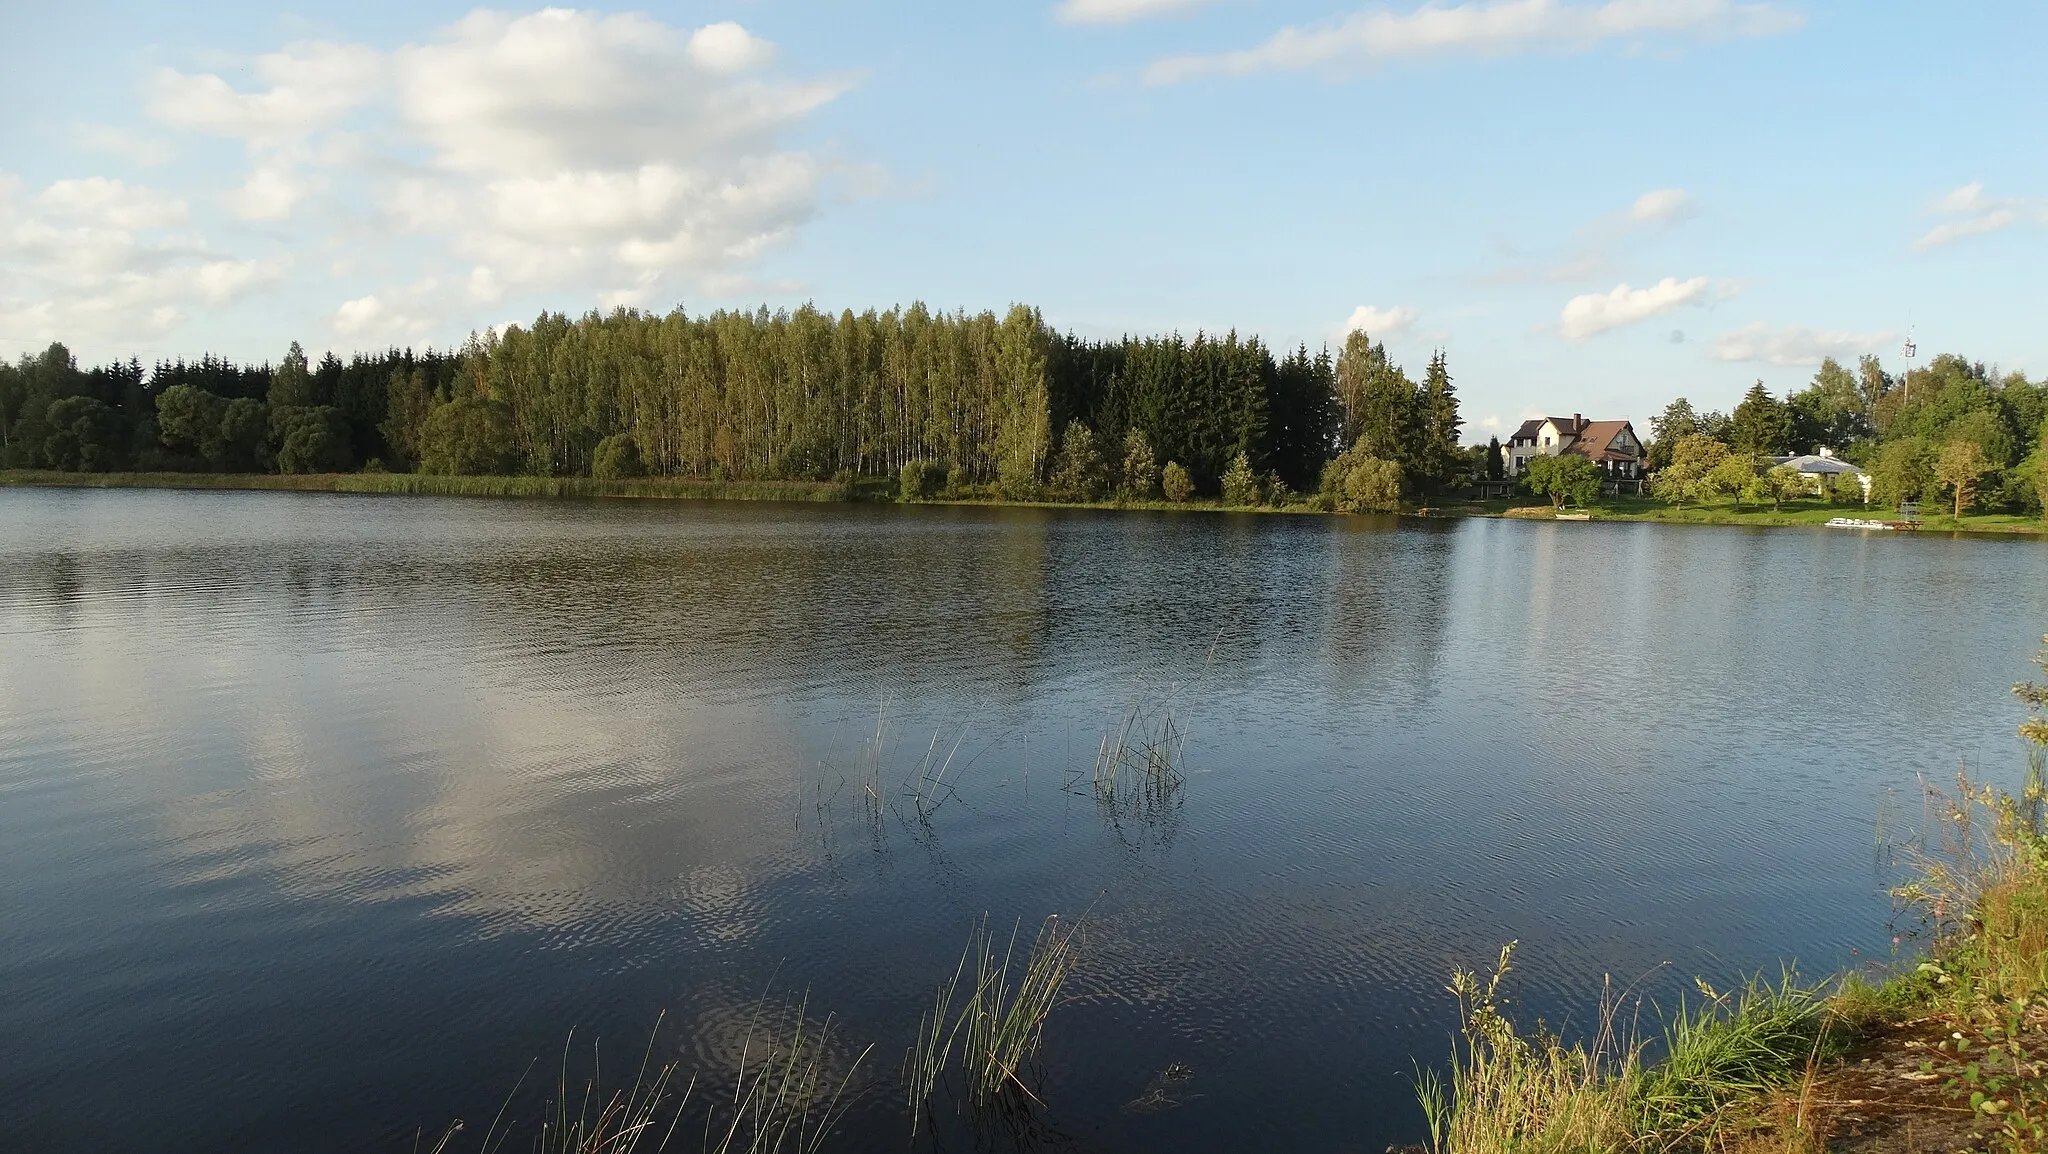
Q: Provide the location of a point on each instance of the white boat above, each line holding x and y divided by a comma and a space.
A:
1859, 523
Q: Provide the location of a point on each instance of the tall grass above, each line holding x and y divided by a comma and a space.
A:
1507, 1090
997, 1025
784, 1099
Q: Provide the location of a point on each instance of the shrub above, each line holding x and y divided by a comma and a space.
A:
1371, 485
1176, 483
1140, 468
617, 458
1240, 484
920, 480
1566, 477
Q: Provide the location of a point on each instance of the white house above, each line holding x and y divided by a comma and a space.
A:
1821, 468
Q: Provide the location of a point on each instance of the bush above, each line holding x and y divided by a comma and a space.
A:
1140, 469
921, 480
1176, 483
1370, 485
617, 458
1240, 484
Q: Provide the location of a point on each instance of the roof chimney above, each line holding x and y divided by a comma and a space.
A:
1578, 421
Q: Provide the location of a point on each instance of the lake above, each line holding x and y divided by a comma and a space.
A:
322, 817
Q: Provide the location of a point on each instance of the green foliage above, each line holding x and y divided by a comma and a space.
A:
1240, 483
1139, 474
1736, 476
617, 458
1903, 471
1078, 473
1959, 467
1175, 482
85, 435
291, 387
469, 437
311, 440
188, 422
1370, 485
1786, 484
1761, 425
243, 426
1562, 479
920, 480
1688, 475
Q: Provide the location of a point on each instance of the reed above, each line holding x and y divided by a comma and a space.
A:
1141, 759
599, 1121
784, 1100
998, 1024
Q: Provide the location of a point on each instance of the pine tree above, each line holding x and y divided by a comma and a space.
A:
1438, 457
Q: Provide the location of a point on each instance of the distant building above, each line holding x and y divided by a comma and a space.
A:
1822, 467
1612, 445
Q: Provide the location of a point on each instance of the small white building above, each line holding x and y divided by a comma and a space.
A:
1821, 468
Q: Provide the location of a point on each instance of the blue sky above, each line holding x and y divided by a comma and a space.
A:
1593, 205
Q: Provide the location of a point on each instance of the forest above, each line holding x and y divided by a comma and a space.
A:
953, 403
1956, 435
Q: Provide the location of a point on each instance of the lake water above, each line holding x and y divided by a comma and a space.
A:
321, 816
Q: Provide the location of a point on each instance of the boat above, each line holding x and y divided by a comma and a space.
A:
1866, 523
1573, 516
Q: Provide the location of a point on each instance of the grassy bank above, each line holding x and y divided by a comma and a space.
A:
424, 484
1944, 1051
1803, 513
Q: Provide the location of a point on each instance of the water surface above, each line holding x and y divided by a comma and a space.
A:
322, 815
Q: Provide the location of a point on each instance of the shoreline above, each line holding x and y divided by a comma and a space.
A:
876, 491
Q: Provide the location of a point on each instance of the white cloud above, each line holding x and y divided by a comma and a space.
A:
1661, 206
97, 201
726, 48
1499, 28
269, 194
1979, 215
1595, 313
312, 86
560, 150
398, 316
1794, 345
98, 260
1376, 322
1121, 11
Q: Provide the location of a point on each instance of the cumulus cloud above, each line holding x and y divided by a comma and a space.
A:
142, 149
1497, 28
1977, 215
1794, 345
1376, 322
396, 316
1121, 11
98, 260
311, 86
563, 150
1594, 313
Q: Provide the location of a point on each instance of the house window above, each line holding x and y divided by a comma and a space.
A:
1546, 442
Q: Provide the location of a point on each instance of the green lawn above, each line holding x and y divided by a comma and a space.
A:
1811, 512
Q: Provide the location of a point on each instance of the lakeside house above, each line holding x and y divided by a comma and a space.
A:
1612, 445
1821, 467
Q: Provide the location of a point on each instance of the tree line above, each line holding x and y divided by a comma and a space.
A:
1955, 434
960, 402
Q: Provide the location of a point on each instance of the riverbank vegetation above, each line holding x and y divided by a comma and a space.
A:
957, 405
1943, 1051
1956, 436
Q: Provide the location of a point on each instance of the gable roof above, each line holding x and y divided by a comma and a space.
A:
1596, 440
